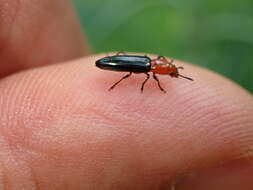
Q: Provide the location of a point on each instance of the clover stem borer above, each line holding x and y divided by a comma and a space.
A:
140, 64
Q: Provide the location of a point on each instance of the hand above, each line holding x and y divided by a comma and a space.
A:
61, 129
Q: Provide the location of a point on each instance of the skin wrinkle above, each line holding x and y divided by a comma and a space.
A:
122, 127
9, 114
225, 127
4, 184
116, 117
29, 119
223, 116
173, 114
20, 133
92, 109
212, 118
135, 169
187, 113
144, 103
187, 102
88, 170
236, 123
14, 166
170, 168
245, 146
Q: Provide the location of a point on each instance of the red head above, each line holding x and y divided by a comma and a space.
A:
162, 66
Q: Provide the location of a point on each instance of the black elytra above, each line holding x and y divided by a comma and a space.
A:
125, 63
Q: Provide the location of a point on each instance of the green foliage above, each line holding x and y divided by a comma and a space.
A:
217, 34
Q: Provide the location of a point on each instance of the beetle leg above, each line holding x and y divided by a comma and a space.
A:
124, 77
171, 61
120, 53
180, 67
160, 57
158, 82
142, 86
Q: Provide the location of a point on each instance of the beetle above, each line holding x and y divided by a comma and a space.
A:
140, 64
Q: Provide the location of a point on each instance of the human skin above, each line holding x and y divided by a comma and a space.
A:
61, 129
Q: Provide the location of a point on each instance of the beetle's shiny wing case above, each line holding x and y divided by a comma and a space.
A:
125, 63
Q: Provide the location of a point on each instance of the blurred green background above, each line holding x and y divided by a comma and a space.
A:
216, 34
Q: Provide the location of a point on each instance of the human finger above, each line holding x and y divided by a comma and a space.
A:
35, 33
65, 130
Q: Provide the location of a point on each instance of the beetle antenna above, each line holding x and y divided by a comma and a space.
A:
188, 78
